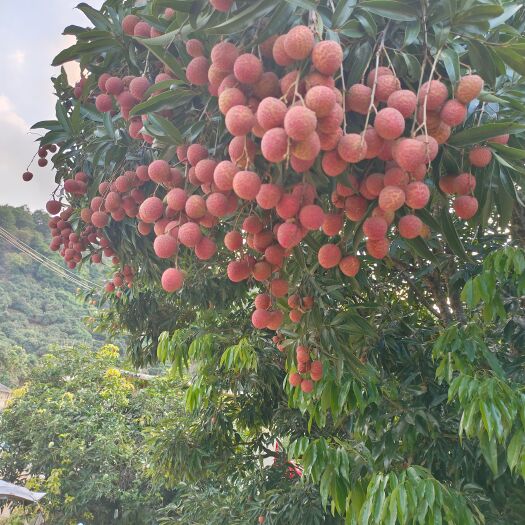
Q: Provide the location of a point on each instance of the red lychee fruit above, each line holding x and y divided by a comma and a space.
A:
190, 234
113, 85
410, 226
391, 198
279, 287
217, 204
288, 235
320, 99
466, 206
271, 113
386, 85
379, 72
311, 217
194, 48
404, 101
332, 224
221, 5
128, 24
238, 271
329, 256
308, 149
295, 380
231, 97
446, 184
269, 195
329, 141
205, 249
99, 219
352, 148
299, 122
389, 123
151, 210
378, 249
332, 164
374, 143
138, 87
197, 71
196, 153
165, 246
247, 69
375, 228
159, 171
223, 175
316, 370
431, 147
103, 103
241, 151
358, 99
332, 121
463, 184
417, 195
288, 206
480, 156
252, 224
239, 120
195, 207
299, 42
263, 301
279, 53
246, 185
204, 170
349, 265
267, 86
435, 93
307, 386
260, 318
355, 207
233, 241
327, 57
224, 55
469, 88
500, 139
274, 145
396, 177
441, 134
27, 176
172, 280
372, 185
409, 153
176, 199
453, 112
142, 30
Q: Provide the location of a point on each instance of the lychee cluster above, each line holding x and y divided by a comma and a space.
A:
42, 160
308, 370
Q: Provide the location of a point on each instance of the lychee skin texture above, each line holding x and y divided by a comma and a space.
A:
349, 265
165, 246
190, 234
128, 24
435, 93
231, 97
221, 5
288, 235
417, 195
299, 122
391, 198
279, 287
409, 153
329, 256
379, 72
332, 164
260, 318
352, 148
299, 42
196, 153
246, 185
410, 226
263, 301
99, 219
279, 53
223, 175
480, 156
271, 113
103, 103
295, 380
378, 249
269, 196
404, 101
248, 69
217, 204
224, 55
453, 113
159, 171
194, 48
274, 145
375, 228
151, 210
197, 71
389, 123
308, 149
327, 57
500, 139
138, 87
288, 206
172, 280
238, 271
316, 370
332, 224
431, 147
307, 386
114, 86
233, 241
463, 184
469, 88
466, 206
355, 207
205, 249
386, 85
320, 99
239, 120
358, 99
311, 217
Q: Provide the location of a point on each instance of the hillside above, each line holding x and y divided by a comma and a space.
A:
38, 308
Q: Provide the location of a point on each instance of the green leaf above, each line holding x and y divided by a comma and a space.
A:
451, 235
514, 450
169, 129
161, 101
512, 58
342, 12
358, 58
481, 60
243, 19
451, 61
486, 131
391, 9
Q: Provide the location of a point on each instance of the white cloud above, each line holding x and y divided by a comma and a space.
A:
18, 57
9, 117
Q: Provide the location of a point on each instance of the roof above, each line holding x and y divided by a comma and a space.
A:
11, 491
3, 388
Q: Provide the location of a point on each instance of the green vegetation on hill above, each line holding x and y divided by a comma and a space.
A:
38, 308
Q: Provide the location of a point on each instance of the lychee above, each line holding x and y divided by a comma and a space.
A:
358, 99
375, 228
417, 195
190, 234
165, 246
288, 206
320, 99
128, 24
409, 153
288, 235
205, 249
247, 69
260, 318
391, 198
469, 88
279, 287
453, 113
172, 280
271, 113
349, 265
386, 85
231, 97
410, 226
224, 55
311, 217
355, 207
378, 249
299, 42
197, 71
246, 185
138, 87
159, 171
434, 92
299, 122
332, 164
233, 241
480, 156
295, 379
274, 145
329, 255
221, 5
151, 210
279, 53
194, 48
239, 120
99, 219
463, 184
466, 206
327, 57
404, 101
269, 195
238, 271
223, 175
389, 123
332, 224
103, 103
352, 147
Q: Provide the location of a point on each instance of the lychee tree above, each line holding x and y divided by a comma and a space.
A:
314, 204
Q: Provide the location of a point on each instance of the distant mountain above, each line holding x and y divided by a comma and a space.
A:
38, 308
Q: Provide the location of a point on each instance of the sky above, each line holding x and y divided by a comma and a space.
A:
31, 37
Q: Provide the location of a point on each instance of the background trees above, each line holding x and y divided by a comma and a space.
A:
418, 415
